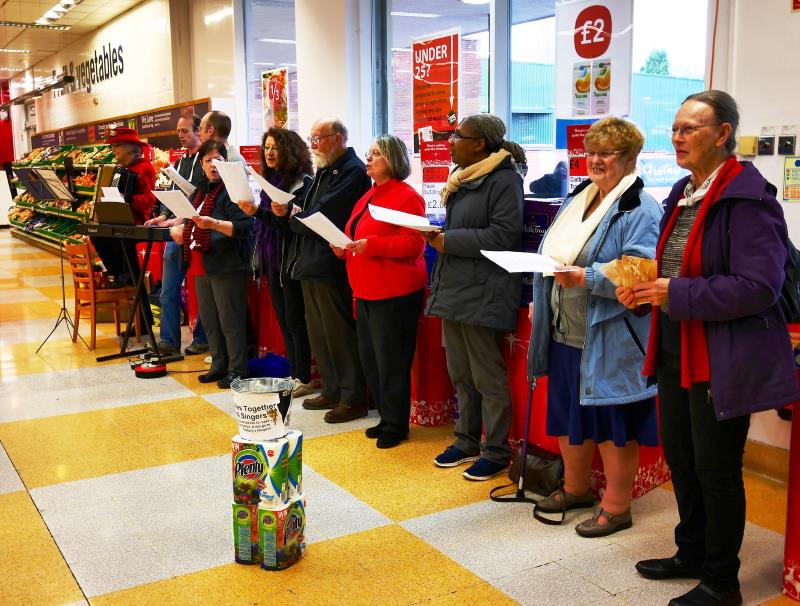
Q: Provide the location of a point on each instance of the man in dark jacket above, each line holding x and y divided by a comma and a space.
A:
341, 179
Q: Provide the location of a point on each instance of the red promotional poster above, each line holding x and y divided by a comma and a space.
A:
435, 72
251, 155
274, 97
576, 152
435, 159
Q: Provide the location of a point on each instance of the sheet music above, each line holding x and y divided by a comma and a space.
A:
111, 194
519, 262
276, 194
323, 226
186, 187
398, 217
235, 179
178, 203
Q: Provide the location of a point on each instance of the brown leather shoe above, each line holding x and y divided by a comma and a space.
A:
318, 403
342, 413
615, 522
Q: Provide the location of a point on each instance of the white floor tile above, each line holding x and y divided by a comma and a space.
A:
9, 478
63, 392
550, 585
170, 520
35, 331
51, 280
310, 422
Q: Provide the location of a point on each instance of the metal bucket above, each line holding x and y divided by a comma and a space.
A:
262, 407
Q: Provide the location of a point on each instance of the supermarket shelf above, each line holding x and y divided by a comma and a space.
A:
34, 240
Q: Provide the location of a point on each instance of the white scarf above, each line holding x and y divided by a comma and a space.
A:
569, 233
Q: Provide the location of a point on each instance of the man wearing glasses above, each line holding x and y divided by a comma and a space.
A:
340, 180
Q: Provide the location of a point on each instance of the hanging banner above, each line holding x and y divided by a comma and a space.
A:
434, 66
593, 35
275, 97
435, 159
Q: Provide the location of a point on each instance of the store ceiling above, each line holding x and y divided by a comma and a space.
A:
82, 19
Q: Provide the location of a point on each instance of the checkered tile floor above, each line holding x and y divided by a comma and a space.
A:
115, 490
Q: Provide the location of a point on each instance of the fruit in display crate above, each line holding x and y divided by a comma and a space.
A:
87, 208
18, 214
86, 180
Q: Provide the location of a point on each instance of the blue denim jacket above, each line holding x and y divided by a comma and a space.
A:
613, 353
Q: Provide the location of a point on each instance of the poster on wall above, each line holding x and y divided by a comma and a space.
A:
434, 67
576, 153
593, 35
435, 70
791, 179
275, 97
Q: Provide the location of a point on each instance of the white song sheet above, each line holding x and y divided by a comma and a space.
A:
177, 203
186, 187
111, 194
323, 226
275, 194
398, 217
235, 180
518, 262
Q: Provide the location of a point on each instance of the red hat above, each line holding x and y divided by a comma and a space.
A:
124, 135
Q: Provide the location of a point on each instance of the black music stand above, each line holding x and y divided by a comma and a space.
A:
63, 314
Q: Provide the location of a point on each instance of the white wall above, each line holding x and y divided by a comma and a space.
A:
333, 59
764, 38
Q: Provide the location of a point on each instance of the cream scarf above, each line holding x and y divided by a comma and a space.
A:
473, 172
569, 233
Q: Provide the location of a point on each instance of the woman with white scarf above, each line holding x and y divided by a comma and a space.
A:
589, 345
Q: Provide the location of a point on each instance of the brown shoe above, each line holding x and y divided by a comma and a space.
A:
318, 403
342, 413
615, 522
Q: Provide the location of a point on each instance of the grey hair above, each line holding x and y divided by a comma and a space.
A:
491, 129
396, 154
336, 125
725, 109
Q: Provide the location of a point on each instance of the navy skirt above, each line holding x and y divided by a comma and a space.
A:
620, 423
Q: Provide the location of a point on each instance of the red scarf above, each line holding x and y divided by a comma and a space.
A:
695, 365
191, 231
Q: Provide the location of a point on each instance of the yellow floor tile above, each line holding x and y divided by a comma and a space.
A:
767, 501
399, 482
102, 442
45, 269
38, 310
59, 353
32, 570
357, 569
54, 292
9, 283
779, 601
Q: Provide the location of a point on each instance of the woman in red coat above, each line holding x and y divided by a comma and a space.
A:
387, 273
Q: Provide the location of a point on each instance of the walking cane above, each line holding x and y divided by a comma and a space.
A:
519, 496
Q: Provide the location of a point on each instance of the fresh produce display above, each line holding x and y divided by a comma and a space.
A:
18, 214
87, 208
24, 198
86, 180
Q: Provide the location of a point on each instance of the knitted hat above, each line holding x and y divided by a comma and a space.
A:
124, 135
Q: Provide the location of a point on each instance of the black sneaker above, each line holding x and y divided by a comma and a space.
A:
483, 469
453, 457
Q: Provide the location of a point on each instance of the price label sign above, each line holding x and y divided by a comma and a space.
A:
593, 28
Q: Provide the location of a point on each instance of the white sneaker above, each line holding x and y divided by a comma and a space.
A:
302, 389
207, 360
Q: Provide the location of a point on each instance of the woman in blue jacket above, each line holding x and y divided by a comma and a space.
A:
590, 345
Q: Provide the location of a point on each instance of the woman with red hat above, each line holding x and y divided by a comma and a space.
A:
135, 178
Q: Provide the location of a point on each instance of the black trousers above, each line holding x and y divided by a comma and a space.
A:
332, 334
112, 252
222, 300
287, 299
387, 340
705, 458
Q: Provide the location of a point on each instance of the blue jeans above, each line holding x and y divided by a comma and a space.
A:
170, 299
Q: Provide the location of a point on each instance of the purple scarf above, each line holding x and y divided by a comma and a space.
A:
268, 239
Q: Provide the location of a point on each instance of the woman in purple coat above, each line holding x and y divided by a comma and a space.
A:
721, 264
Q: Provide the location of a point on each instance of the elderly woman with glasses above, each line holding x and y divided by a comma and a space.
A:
387, 273
477, 300
719, 345
586, 342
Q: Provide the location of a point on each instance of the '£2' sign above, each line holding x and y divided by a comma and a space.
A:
592, 31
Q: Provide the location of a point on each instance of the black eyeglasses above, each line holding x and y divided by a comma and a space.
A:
457, 136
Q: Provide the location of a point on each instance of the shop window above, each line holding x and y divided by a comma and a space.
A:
270, 44
412, 20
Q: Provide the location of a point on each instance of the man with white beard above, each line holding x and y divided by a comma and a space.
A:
340, 180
